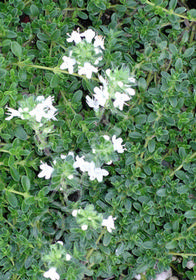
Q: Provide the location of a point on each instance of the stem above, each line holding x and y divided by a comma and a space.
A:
25, 195
179, 167
55, 70
193, 225
91, 250
182, 254
169, 12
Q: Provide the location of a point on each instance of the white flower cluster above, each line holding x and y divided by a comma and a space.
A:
43, 109
84, 166
85, 54
52, 273
108, 223
112, 89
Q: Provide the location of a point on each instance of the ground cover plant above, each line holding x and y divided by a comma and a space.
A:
98, 151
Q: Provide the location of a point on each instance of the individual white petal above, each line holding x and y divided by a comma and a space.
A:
87, 70
93, 103
60, 242
106, 137
68, 257
109, 223
120, 100
132, 80
13, 113
46, 171
68, 63
99, 42
88, 34
101, 94
74, 37
117, 144
52, 274
74, 213
130, 91
84, 227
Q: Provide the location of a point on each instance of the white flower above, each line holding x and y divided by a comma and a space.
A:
75, 36
99, 42
88, 34
74, 213
130, 91
164, 275
14, 113
45, 109
117, 144
106, 137
93, 103
68, 63
84, 227
109, 223
87, 70
68, 257
101, 94
132, 80
52, 274
96, 172
190, 264
120, 100
46, 171
60, 242
81, 163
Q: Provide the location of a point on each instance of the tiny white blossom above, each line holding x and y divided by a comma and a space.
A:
75, 36
132, 80
60, 242
109, 223
87, 70
68, 63
190, 264
74, 213
106, 137
130, 91
45, 109
117, 144
46, 171
52, 274
88, 34
84, 227
14, 113
120, 100
93, 103
81, 163
96, 172
101, 94
70, 176
68, 257
99, 42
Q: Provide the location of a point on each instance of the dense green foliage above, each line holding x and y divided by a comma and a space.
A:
151, 187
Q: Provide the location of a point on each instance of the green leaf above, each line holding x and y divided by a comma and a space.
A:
55, 35
25, 183
16, 49
15, 174
173, 49
141, 119
42, 36
11, 197
171, 245
142, 84
54, 82
161, 192
21, 133
77, 96
151, 145
119, 250
34, 10
179, 64
191, 214
148, 244
106, 239
172, 4
135, 135
189, 52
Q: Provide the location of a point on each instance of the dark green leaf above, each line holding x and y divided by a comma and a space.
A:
25, 183
16, 49
11, 197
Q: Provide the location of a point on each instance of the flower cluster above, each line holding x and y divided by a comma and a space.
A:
56, 254
42, 109
88, 217
86, 53
67, 164
116, 87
